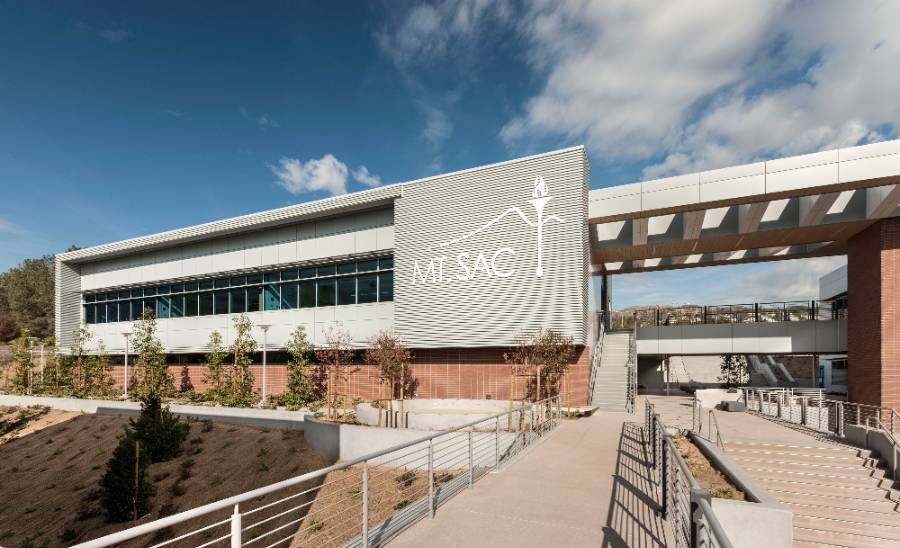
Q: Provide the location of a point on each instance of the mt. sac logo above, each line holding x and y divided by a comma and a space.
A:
540, 197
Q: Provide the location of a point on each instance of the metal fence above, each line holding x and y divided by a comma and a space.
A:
361, 502
684, 504
785, 311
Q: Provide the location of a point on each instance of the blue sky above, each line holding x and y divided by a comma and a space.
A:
121, 119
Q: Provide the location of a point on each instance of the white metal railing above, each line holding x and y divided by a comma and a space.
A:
595, 362
362, 502
684, 504
631, 395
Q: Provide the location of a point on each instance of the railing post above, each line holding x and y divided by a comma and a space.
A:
497, 444
664, 471
471, 462
803, 410
431, 478
365, 503
839, 427
236, 527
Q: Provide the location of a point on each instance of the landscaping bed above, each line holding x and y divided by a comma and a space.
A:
706, 474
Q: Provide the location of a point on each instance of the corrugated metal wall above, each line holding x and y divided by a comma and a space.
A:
490, 310
67, 302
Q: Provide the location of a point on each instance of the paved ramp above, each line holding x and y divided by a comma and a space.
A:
586, 485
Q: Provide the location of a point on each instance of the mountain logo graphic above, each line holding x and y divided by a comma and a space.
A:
540, 196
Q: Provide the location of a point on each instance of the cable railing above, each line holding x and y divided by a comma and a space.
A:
362, 502
631, 394
595, 359
786, 311
684, 504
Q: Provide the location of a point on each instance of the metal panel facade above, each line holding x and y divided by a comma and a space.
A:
488, 253
67, 303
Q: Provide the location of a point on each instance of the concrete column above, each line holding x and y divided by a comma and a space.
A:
873, 326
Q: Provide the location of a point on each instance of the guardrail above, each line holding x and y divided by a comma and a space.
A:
595, 359
785, 311
684, 504
361, 502
632, 369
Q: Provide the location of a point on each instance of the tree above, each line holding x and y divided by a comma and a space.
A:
556, 352
734, 370
28, 295
155, 379
392, 357
335, 356
125, 490
215, 365
241, 378
21, 351
160, 432
301, 389
523, 359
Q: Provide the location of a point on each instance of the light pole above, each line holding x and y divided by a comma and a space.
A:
126, 334
265, 330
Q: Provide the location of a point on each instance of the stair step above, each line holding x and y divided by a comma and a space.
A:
851, 491
804, 449
890, 518
834, 538
836, 458
876, 480
880, 531
885, 505
845, 468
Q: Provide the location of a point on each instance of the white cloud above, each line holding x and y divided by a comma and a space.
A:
362, 175
326, 174
115, 36
8, 227
437, 126
265, 121
693, 84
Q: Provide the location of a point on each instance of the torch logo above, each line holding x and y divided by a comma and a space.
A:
540, 196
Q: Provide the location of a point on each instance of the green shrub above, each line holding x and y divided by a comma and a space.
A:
159, 431
126, 491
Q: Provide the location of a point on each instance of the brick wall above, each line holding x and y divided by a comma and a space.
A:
439, 373
873, 328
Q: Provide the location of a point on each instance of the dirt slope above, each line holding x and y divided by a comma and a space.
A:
49, 477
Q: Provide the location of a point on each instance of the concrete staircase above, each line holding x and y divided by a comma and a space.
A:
611, 377
839, 494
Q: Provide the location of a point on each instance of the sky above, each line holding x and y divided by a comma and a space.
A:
122, 119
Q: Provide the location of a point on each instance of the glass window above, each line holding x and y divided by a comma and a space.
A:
177, 288
386, 286
100, 297
125, 311
386, 263
89, 313
238, 280
206, 303
222, 282
254, 279
137, 309
288, 275
149, 291
137, 292
346, 268
307, 294
238, 301
124, 294
101, 313
190, 304
272, 277
206, 284
177, 306
327, 270
308, 272
163, 306
365, 266
89, 298
368, 288
191, 286
112, 312
289, 295
272, 298
254, 298
162, 290
221, 302
112, 295
326, 292
346, 290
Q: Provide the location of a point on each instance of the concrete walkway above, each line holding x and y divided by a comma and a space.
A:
585, 485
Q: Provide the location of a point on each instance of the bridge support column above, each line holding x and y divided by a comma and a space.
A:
873, 326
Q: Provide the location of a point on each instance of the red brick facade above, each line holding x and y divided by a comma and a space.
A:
873, 328
439, 373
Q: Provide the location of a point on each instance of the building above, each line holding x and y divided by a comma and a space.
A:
459, 265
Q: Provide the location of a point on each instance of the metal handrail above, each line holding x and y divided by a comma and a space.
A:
684, 521
595, 363
631, 395
547, 405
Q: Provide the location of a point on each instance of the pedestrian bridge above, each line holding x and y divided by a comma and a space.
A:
799, 327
